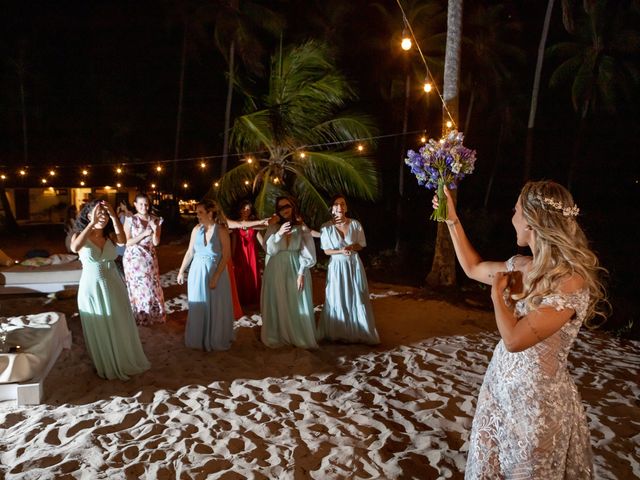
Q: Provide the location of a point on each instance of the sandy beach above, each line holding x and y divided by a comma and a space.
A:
399, 410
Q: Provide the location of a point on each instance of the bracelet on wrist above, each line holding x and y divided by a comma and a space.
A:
452, 223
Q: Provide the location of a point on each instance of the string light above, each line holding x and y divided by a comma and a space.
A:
119, 185
159, 168
407, 26
153, 186
360, 148
249, 160
22, 173
118, 170
302, 155
427, 87
3, 177
406, 41
423, 139
216, 184
449, 124
203, 165
52, 173
44, 180
247, 182
185, 185
82, 183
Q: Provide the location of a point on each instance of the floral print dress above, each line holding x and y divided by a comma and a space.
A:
143, 277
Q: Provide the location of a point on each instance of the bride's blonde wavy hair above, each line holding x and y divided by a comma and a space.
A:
561, 248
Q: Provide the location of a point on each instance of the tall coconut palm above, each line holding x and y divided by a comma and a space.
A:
600, 65
238, 28
490, 55
304, 136
567, 19
443, 268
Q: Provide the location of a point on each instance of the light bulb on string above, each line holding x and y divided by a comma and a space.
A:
249, 160
119, 185
216, 184
360, 148
22, 172
52, 173
449, 124
159, 168
247, 182
302, 154
85, 172
118, 170
44, 180
153, 186
203, 165
81, 183
427, 87
185, 185
406, 41
423, 139
3, 177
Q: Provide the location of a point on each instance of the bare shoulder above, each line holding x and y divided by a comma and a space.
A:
572, 283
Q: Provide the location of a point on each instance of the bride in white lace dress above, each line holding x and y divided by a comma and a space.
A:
529, 421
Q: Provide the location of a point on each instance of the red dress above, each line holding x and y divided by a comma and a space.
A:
237, 308
245, 262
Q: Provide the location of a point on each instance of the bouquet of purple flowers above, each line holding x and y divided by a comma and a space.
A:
440, 163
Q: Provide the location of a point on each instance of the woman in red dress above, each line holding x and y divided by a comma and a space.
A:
244, 254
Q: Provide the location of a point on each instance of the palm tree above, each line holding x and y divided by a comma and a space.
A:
490, 55
443, 269
600, 64
567, 18
238, 25
291, 125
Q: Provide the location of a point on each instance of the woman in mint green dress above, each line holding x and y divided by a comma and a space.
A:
109, 329
347, 314
210, 321
286, 298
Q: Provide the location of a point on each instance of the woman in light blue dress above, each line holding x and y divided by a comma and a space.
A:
210, 319
286, 298
347, 314
109, 329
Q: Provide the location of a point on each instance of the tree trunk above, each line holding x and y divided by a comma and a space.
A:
443, 269
9, 218
528, 156
23, 108
176, 150
403, 146
227, 111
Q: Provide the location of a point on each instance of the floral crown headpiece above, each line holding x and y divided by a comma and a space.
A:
558, 205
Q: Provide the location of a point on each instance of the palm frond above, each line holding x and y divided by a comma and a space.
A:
232, 186
253, 131
348, 127
344, 172
313, 207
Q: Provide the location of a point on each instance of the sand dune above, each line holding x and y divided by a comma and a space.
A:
399, 410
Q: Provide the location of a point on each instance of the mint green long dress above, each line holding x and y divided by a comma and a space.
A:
287, 314
109, 329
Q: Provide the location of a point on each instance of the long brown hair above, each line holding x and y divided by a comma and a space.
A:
211, 206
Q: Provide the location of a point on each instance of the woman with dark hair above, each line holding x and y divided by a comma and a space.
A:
210, 319
245, 235
286, 299
347, 314
529, 420
140, 263
108, 325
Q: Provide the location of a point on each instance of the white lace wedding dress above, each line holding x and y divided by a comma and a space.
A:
529, 421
